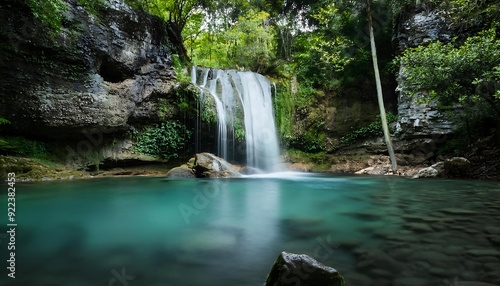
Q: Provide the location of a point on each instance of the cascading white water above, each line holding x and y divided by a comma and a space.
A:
245, 94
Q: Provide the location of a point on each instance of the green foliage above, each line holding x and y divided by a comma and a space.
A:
21, 146
164, 140
456, 75
311, 142
463, 14
4, 121
182, 76
472, 124
92, 6
178, 11
321, 160
247, 43
3, 142
374, 129
48, 12
321, 55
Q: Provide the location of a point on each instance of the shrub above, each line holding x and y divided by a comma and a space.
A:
21, 146
374, 129
164, 140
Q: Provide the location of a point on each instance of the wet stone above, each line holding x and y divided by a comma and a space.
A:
430, 256
417, 218
410, 281
457, 211
382, 273
453, 249
366, 215
492, 230
418, 227
472, 230
488, 259
401, 252
382, 282
483, 252
469, 276
472, 265
492, 266
364, 264
440, 272
403, 238
358, 279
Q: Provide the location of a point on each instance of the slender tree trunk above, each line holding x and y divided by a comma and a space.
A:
379, 91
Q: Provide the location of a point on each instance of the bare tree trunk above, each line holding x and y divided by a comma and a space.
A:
379, 91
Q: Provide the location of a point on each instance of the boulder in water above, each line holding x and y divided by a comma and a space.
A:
300, 269
207, 165
181, 172
436, 170
457, 167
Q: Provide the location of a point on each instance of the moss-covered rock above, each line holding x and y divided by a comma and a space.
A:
300, 269
102, 71
34, 170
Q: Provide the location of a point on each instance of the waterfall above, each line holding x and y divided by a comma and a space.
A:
243, 101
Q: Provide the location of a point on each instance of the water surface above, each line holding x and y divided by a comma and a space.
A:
157, 231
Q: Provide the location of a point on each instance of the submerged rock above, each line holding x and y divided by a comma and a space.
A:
300, 269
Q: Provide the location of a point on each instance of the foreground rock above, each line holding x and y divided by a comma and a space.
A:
436, 170
457, 167
205, 165
454, 167
300, 269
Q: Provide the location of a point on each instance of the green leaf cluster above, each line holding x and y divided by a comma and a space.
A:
372, 130
181, 75
452, 74
21, 146
4, 121
245, 43
50, 12
164, 140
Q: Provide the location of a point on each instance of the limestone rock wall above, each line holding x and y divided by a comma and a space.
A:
105, 71
419, 122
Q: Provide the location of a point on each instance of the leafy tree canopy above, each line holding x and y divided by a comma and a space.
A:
457, 75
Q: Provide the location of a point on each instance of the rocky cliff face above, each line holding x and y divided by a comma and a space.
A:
105, 71
420, 123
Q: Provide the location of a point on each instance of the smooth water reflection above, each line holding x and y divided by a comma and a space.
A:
375, 230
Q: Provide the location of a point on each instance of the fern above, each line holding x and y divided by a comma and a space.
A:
4, 121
